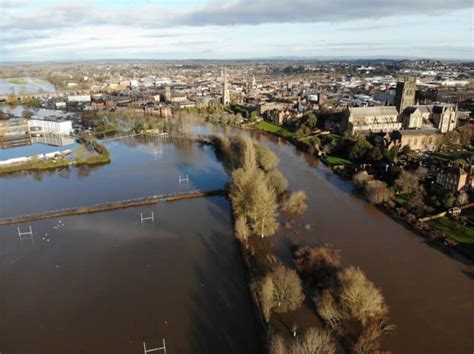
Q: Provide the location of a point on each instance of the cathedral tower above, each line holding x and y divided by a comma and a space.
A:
405, 93
225, 90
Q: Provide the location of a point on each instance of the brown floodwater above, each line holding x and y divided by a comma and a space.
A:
104, 283
430, 295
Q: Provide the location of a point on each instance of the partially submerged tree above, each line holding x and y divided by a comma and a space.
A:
288, 292
244, 150
277, 181
266, 158
314, 342
266, 297
296, 203
319, 265
263, 209
278, 345
358, 297
241, 229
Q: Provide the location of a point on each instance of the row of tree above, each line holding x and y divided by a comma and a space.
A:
351, 306
258, 191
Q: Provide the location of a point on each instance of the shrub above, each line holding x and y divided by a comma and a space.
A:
360, 180
378, 193
407, 182
296, 203
318, 266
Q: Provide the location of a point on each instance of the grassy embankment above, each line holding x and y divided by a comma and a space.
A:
100, 156
454, 228
452, 155
299, 142
17, 81
275, 129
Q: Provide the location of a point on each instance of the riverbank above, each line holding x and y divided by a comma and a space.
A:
283, 305
435, 236
78, 157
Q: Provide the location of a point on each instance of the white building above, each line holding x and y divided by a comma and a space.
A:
79, 98
48, 126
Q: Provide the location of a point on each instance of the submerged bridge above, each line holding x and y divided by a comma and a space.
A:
96, 208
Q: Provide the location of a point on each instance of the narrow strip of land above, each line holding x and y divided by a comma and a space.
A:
96, 208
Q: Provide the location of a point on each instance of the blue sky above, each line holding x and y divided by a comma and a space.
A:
191, 29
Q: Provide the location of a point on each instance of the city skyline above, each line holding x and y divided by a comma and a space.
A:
196, 29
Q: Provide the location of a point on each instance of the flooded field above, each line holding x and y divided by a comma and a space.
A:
103, 282
25, 85
139, 168
106, 282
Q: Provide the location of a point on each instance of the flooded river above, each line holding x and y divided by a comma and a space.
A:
431, 296
103, 282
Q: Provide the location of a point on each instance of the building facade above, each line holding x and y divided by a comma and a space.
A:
14, 132
405, 93
373, 119
38, 127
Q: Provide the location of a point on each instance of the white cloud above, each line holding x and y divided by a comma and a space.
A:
223, 29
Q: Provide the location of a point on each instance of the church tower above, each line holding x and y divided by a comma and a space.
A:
225, 90
405, 93
167, 93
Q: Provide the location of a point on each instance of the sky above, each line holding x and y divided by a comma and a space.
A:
52, 30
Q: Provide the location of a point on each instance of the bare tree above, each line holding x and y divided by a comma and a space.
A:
277, 181
244, 149
378, 192
266, 297
288, 292
266, 159
241, 229
263, 209
462, 198
314, 341
296, 203
278, 345
319, 265
360, 179
359, 298
407, 182
329, 310
242, 188
369, 339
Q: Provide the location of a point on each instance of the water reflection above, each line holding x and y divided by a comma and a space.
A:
134, 172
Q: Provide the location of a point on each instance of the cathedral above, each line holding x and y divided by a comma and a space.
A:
422, 124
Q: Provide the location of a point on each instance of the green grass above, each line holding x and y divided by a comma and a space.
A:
334, 160
17, 81
400, 201
275, 129
453, 229
452, 155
